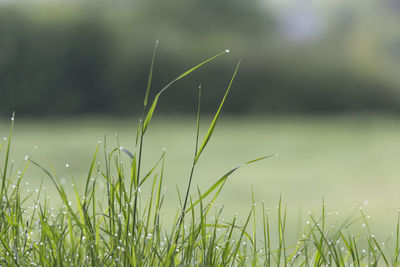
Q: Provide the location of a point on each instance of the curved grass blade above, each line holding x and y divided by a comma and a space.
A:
150, 75
214, 122
154, 104
221, 181
126, 151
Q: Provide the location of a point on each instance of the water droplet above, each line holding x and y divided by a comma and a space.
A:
164, 149
227, 51
276, 154
26, 157
67, 165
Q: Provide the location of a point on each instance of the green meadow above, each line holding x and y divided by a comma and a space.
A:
349, 161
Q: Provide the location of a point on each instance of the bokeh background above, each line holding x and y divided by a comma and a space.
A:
319, 84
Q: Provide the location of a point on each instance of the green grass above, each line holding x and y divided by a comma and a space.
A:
103, 205
346, 160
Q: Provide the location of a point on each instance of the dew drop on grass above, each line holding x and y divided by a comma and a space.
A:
227, 51
26, 157
67, 165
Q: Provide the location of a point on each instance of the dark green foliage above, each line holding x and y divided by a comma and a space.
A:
89, 58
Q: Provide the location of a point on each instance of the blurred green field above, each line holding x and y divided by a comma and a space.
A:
348, 160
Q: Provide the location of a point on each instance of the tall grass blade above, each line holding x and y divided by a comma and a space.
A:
214, 121
154, 104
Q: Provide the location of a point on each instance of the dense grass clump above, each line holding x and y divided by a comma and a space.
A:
117, 226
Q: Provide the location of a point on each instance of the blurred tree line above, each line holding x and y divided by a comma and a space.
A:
93, 57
